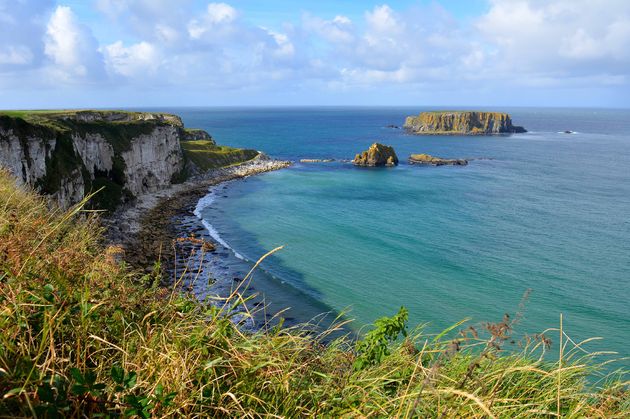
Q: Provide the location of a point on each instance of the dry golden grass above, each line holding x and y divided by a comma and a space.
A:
81, 336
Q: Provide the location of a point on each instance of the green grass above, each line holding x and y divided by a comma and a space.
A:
33, 113
194, 130
207, 155
55, 118
83, 336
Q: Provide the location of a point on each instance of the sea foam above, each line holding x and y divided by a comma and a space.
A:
207, 202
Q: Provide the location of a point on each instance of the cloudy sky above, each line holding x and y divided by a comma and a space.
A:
115, 53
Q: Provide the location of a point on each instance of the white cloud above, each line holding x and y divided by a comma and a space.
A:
216, 14
17, 55
63, 38
70, 45
285, 47
581, 45
166, 33
531, 43
383, 20
562, 36
112, 8
337, 30
138, 60
22, 26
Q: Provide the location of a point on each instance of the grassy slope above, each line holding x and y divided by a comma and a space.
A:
207, 155
82, 335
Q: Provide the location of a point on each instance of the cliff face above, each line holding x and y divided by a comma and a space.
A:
461, 123
69, 154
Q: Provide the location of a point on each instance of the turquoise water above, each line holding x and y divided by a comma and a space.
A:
543, 211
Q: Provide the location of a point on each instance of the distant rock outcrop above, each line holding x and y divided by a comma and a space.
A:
377, 155
429, 160
461, 123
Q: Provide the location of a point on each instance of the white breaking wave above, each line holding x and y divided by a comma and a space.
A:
207, 202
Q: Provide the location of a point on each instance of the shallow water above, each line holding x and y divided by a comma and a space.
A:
545, 211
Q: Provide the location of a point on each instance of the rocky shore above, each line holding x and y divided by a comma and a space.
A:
149, 229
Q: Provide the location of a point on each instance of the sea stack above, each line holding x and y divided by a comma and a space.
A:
377, 155
461, 123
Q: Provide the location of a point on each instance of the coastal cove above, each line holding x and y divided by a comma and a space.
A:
447, 242
406, 209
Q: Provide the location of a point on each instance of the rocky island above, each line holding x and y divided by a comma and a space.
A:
427, 159
461, 123
377, 155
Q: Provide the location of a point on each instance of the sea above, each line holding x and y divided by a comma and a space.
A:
543, 215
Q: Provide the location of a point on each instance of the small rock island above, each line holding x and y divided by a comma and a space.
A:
429, 160
461, 123
377, 155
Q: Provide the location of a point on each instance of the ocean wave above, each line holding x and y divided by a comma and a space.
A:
206, 202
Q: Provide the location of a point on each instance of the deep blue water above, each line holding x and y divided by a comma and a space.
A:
543, 211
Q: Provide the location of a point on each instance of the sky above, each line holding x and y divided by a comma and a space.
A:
143, 53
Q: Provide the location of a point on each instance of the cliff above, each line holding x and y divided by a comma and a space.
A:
67, 154
377, 155
461, 123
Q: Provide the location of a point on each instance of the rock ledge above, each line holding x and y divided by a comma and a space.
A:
430, 160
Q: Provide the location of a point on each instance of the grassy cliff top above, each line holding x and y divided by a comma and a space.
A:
205, 154
59, 119
431, 116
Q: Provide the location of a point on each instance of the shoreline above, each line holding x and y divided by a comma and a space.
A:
153, 228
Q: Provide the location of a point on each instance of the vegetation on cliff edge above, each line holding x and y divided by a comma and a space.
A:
205, 154
82, 335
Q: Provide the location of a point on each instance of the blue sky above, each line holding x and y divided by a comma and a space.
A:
134, 53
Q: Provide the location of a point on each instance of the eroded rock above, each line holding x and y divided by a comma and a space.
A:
377, 155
